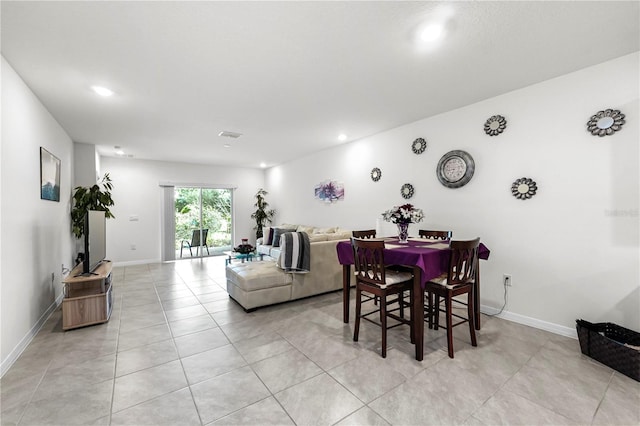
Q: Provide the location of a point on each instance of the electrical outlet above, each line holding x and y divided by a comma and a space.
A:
506, 280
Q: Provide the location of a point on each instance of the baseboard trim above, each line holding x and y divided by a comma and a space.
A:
137, 262
26, 340
532, 322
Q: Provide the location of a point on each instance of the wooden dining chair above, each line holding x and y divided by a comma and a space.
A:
437, 236
369, 233
373, 277
434, 235
458, 280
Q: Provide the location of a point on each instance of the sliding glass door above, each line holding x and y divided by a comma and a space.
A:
202, 221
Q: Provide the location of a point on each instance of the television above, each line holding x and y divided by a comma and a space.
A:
95, 240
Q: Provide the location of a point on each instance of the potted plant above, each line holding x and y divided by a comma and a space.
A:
95, 197
261, 215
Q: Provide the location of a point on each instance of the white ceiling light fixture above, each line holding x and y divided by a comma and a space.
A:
263, 165
102, 91
432, 32
227, 134
342, 137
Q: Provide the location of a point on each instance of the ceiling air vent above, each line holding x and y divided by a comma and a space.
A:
233, 135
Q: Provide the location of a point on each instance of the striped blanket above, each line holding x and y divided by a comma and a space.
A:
295, 256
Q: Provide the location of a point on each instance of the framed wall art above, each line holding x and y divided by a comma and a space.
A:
329, 191
49, 176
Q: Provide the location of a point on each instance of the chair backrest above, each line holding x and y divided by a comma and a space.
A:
195, 237
369, 233
369, 260
463, 261
435, 235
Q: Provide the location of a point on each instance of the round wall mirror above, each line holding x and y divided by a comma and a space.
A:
495, 125
605, 123
524, 188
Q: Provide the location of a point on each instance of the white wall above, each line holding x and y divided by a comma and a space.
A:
36, 234
136, 192
572, 250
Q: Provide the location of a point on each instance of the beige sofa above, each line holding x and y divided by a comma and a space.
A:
255, 284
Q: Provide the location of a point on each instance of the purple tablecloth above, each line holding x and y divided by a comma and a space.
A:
432, 261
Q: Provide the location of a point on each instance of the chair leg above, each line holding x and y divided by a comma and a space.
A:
356, 328
383, 322
181, 246
448, 303
470, 312
401, 303
436, 312
430, 309
207, 250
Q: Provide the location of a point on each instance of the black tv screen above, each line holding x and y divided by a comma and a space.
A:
95, 240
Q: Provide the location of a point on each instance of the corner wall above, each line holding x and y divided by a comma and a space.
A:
36, 234
572, 249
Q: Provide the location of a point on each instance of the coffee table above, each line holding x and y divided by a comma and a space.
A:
231, 255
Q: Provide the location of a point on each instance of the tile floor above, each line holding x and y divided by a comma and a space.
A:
178, 351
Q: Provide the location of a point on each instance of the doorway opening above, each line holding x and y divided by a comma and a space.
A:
203, 221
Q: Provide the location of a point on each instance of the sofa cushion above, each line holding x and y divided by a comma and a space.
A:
314, 238
268, 232
307, 229
339, 236
277, 232
324, 230
251, 276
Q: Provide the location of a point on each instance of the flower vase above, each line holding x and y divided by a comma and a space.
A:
403, 233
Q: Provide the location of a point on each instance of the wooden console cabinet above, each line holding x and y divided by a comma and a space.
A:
87, 299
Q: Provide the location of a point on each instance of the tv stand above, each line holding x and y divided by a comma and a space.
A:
88, 299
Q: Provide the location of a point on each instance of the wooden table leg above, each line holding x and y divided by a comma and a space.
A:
418, 312
476, 298
346, 286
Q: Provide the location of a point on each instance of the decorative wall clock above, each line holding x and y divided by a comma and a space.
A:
524, 188
406, 191
605, 123
495, 125
455, 169
376, 174
418, 146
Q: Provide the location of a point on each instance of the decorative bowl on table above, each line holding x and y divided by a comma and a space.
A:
244, 249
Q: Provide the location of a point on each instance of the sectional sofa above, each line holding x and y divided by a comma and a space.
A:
256, 284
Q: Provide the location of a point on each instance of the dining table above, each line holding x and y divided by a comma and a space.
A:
428, 259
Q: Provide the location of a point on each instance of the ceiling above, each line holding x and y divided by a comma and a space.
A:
289, 76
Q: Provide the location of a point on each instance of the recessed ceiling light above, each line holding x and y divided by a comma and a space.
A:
120, 152
226, 145
102, 91
431, 32
342, 137
263, 165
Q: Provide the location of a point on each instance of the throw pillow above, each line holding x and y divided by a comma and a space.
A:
277, 232
268, 232
307, 229
324, 230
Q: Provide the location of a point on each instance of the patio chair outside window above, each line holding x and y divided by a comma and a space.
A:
195, 242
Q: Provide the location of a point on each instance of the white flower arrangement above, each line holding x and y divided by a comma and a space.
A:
405, 213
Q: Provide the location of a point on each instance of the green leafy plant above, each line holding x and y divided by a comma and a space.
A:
262, 215
96, 197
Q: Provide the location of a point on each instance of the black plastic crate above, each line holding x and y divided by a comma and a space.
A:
605, 342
